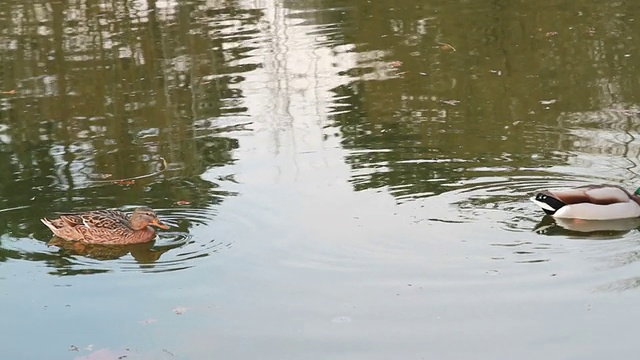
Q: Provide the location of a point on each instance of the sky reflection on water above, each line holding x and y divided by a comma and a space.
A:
344, 180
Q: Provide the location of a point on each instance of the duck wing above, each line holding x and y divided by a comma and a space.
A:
594, 194
107, 219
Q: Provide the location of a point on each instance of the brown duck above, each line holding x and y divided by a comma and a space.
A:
106, 226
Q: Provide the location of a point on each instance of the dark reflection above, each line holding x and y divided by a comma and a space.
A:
142, 253
622, 259
430, 105
596, 229
91, 93
621, 285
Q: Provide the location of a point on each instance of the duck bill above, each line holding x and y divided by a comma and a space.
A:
159, 224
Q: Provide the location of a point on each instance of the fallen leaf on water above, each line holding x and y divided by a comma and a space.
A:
341, 319
445, 46
104, 354
450, 102
124, 182
168, 352
10, 92
183, 202
180, 310
395, 63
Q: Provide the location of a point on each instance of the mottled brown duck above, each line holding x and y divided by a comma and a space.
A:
106, 226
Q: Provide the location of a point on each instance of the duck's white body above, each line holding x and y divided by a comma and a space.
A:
593, 202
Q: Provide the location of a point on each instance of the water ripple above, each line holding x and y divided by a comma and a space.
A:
173, 250
505, 200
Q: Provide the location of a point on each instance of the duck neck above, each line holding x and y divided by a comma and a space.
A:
137, 225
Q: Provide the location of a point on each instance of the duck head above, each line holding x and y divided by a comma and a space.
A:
143, 217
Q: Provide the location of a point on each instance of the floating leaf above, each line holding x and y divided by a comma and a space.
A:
180, 310
183, 202
124, 182
341, 319
447, 47
168, 352
102, 176
104, 354
450, 102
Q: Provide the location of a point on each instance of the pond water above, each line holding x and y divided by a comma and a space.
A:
343, 179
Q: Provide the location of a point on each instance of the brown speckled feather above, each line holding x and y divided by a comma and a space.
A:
97, 219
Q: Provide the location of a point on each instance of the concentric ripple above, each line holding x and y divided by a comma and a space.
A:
176, 249
502, 200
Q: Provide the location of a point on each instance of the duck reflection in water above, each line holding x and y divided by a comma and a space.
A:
603, 229
145, 253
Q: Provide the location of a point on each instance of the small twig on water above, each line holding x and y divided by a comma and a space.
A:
132, 180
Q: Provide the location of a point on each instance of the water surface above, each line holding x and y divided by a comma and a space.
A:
344, 179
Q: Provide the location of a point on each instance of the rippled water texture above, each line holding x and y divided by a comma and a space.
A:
343, 179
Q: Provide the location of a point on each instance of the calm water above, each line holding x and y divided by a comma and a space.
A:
344, 179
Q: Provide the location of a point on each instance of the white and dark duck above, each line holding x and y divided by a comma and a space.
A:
591, 202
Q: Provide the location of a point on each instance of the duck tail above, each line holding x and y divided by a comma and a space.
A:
49, 224
549, 203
